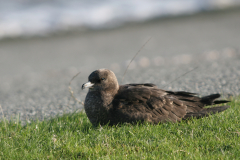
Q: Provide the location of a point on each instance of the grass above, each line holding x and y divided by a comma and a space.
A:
73, 137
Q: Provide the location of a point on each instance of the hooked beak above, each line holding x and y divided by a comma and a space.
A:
87, 85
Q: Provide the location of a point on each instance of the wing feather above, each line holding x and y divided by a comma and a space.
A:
144, 102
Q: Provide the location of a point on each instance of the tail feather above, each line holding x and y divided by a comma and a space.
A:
205, 112
209, 100
220, 101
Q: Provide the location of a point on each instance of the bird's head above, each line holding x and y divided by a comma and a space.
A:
102, 80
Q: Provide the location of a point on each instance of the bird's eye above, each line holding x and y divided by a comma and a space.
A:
103, 79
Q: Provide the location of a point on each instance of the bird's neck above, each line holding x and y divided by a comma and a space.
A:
104, 98
107, 98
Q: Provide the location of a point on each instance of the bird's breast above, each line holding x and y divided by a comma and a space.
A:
96, 107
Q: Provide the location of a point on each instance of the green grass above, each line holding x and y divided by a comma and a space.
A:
73, 137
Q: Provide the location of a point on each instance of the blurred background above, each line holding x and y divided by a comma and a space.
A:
44, 43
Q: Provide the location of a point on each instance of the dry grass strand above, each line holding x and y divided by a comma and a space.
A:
134, 57
181, 76
3, 117
71, 91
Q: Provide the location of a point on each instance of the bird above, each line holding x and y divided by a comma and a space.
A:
108, 103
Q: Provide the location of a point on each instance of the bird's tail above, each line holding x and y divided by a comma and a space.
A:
210, 99
206, 112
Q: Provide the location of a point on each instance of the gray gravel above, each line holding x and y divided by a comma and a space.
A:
35, 72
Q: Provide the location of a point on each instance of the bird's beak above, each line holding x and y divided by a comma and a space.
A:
87, 85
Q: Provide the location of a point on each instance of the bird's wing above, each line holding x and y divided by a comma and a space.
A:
145, 102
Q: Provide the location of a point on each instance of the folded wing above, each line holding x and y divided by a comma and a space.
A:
145, 102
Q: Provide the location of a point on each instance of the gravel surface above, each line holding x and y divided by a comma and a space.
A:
35, 72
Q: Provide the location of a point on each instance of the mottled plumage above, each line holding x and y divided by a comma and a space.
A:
109, 103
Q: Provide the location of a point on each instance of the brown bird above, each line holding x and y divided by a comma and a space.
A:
107, 102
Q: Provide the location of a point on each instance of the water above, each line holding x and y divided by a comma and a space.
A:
26, 18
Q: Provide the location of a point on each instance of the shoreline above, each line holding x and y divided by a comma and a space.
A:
85, 30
